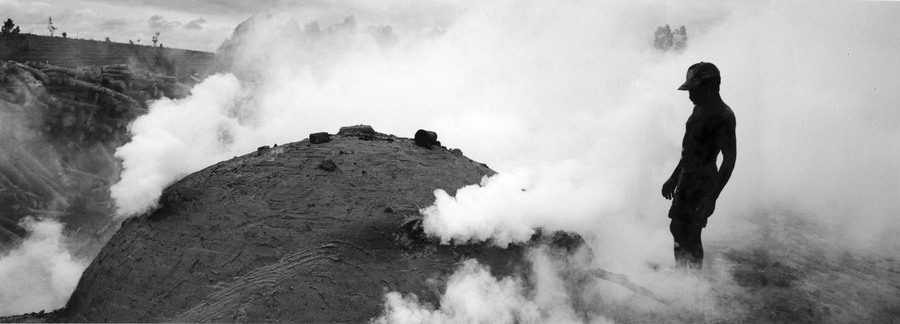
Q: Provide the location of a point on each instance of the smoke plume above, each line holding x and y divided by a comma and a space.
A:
808, 141
579, 114
41, 273
176, 138
473, 295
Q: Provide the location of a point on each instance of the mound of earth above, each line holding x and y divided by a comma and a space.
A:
300, 232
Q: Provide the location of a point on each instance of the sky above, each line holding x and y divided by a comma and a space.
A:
192, 24
195, 25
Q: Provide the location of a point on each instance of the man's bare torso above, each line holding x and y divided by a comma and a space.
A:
702, 137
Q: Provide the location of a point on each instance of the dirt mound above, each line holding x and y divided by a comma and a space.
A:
299, 232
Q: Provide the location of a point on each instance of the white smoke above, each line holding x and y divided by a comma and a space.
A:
577, 112
495, 301
508, 207
473, 295
41, 273
558, 288
178, 137
809, 141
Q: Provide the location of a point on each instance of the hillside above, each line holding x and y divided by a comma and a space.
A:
59, 129
69, 52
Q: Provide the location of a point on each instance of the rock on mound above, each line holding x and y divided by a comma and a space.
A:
300, 233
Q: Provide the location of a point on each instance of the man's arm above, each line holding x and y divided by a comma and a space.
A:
728, 143
668, 189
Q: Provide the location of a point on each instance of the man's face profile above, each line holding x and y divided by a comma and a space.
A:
695, 93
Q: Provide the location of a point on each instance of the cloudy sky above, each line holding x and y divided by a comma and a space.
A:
190, 24
201, 24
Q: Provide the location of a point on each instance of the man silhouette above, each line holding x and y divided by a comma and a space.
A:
697, 182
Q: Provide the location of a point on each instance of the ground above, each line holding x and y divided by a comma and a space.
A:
783, 268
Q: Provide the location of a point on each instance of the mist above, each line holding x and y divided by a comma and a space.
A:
474, 296
578, 113
41, 273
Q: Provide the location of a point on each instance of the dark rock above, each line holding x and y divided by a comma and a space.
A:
388, 210
361, 131
426, 138
413, 228
328, 165
456, 152
318, 138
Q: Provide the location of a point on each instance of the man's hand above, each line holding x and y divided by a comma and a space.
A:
668, 188
707, 206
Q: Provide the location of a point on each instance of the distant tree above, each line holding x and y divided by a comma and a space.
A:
50, 26
64, 34
107, 39
9, 28
312, 28
12, 43
662, 39
155, 38
679, 39
666, 39
131, 42
384, 35
163, 63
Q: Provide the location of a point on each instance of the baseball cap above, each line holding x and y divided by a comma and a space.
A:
697, 73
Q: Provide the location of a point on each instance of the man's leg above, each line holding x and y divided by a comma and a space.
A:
688, 245
679, 233
694, 246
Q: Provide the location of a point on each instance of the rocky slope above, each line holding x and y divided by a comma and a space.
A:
298, 233
59, 128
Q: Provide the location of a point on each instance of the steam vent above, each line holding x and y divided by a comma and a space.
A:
300, 232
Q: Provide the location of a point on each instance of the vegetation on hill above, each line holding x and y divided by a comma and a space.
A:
12, 42
73, 53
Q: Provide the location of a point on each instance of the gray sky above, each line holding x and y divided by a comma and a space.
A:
190, 24
202, 24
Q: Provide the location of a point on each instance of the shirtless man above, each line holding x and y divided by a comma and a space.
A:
696, 182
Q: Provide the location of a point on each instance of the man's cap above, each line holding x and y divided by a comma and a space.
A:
697, 73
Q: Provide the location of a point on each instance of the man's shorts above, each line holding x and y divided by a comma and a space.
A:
692, 187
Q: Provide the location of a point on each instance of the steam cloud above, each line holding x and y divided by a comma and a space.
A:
40, 274
557, 289
178, 137
570, 103
803, 136
474, 296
